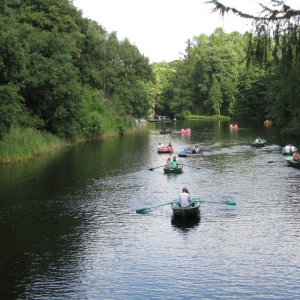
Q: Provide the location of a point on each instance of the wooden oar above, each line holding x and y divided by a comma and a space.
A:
150, 207
215, 202
151, 169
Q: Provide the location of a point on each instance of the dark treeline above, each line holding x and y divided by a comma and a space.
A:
66, 75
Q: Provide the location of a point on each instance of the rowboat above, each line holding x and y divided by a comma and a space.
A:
291, 162
185, 212
267, 122
176, 170
186, 131
165, 131
290, 152
189, 153
258, 145
154, 120
165, 149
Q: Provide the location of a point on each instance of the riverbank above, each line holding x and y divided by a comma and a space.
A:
23, 144
211, 118
27, 143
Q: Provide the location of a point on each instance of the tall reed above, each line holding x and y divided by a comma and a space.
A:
25, 143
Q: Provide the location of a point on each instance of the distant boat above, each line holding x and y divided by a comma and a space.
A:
159, 119
233, 126
186, 131
190, 153
154, 120
259, 144
176, 170
165, 131
290, 152
268, 122
165, 149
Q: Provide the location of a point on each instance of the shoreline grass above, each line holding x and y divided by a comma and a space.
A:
26, 143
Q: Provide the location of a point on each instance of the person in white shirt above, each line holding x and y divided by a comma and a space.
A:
160, 146
287, 148
184, 198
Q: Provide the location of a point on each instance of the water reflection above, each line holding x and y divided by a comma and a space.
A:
185, 223
69, 228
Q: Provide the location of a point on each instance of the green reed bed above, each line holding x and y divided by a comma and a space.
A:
26, 143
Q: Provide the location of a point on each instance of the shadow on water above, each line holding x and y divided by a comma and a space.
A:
183, 224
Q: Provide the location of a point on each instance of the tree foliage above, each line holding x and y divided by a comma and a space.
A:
275, 44
65, 73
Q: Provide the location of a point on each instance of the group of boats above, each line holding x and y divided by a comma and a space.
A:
166, 130
235, 125
177, 167
290, 152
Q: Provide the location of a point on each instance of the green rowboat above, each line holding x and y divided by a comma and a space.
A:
258, 145
177, 170
186, 212
165, 131
291, 162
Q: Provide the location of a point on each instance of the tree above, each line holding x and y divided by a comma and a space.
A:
214, 98
276, 29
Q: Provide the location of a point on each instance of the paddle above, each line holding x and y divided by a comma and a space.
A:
150, 207
151, 169
224, 202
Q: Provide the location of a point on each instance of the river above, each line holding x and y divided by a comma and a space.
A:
69, 227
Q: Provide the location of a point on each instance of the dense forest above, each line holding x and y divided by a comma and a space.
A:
66, 75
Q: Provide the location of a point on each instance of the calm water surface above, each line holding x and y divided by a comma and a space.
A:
69, 230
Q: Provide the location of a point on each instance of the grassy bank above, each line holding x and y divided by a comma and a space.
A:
26, 143
215, 117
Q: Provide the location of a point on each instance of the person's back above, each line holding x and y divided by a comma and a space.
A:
184, 198
169, 163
